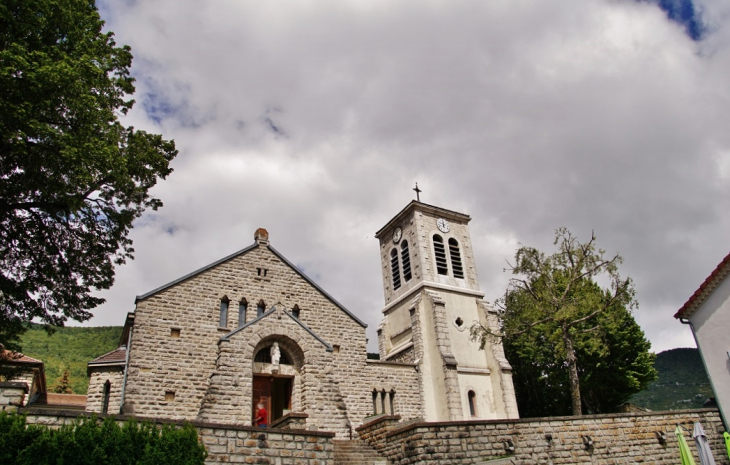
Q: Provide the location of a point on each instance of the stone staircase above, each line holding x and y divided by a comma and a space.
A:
356, 452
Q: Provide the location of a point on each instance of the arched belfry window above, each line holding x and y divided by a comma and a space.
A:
242, 307
456, 259
394, 268
406, 260
260, 308
440, 253
223, 320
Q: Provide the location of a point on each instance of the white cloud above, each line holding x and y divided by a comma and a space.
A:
592, 114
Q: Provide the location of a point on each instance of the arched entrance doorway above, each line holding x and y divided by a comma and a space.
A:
276, 366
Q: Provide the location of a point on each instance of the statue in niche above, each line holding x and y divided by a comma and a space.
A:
275, 354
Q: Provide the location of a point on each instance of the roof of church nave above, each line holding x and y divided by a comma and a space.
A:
261, 237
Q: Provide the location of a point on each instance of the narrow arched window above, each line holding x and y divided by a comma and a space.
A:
296, 311
472, 403
242, 307
391, 396
394, 268
105, 397
375, 402
456, 259
405, 257
223, 321
382, 401
260, 308
440, 252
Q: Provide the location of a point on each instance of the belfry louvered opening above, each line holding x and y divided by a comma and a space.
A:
456, 259
440, 252
394, 268
405, 258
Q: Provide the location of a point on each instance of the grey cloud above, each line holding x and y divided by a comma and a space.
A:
596, 115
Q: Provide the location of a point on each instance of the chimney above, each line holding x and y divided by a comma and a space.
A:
261, 236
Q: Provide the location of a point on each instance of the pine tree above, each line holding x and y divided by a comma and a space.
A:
63, 384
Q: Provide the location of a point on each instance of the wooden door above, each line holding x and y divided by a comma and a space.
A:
261, 393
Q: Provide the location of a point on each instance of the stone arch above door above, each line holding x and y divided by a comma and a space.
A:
289, 348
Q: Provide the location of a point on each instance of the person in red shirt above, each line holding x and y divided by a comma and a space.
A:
261, 416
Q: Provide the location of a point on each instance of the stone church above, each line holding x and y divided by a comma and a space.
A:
252, 328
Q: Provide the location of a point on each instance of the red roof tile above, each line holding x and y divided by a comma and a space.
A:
705, 289
116, 355
17, 357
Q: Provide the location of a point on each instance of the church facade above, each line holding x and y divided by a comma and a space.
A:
253, 328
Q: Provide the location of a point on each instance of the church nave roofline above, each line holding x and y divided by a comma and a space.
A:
262, 238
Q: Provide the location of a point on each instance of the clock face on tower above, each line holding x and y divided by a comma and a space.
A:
443, 225
397, 234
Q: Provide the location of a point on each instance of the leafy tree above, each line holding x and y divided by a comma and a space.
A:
573, 345
72, 177
63, 384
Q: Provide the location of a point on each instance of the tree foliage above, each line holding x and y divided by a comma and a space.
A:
573, 345
72, 177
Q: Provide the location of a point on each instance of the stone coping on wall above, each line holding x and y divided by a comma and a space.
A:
291, 417
37, 412
14, 385
385, 362
418, 424
377, 419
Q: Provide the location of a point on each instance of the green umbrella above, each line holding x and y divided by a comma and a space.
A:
727, 442
684, 451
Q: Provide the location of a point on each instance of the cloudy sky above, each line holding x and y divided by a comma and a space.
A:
314, 119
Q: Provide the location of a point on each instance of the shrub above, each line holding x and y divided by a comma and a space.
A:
90, 441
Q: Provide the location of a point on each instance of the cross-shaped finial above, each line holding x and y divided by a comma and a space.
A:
418, 192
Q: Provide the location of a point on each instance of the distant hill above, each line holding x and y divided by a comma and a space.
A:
72, 348
682, 382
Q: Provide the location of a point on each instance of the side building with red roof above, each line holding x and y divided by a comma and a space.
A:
707, 312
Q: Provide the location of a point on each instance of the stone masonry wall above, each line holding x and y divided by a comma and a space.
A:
236, 444
402, 379
95, 393
12, 395
161, 362
616, 438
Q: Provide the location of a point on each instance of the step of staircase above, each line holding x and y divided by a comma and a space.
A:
356, 452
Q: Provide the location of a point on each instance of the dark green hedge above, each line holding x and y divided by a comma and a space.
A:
90, 441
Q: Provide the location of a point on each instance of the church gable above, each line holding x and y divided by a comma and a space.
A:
259, 265
187, 318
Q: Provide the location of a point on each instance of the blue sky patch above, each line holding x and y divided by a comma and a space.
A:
157, 107
686, 13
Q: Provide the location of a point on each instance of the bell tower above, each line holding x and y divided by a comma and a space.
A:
432, 298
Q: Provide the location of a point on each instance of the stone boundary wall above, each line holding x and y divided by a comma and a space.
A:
595, 439
231, 443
